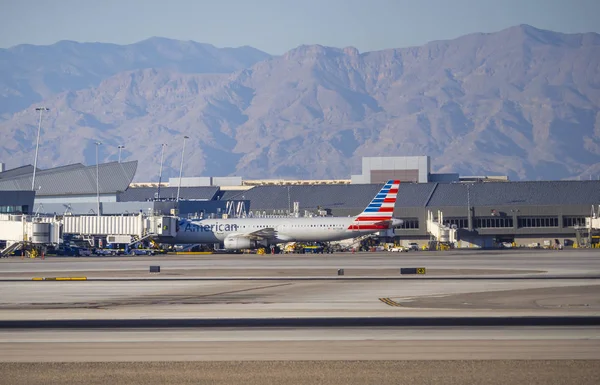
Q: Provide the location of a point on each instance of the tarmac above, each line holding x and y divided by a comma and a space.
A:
292, 319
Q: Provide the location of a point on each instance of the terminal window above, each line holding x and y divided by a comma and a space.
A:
460, 223
538, 221
409, 223
493, 222
13, 209
573, 221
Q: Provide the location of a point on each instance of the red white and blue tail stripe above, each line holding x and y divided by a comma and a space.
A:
378, 214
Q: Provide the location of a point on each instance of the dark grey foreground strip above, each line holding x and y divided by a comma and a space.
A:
302, 322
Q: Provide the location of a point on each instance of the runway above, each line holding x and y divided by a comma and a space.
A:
476, 312
309, 343
565, 262
490, 355
239, 299
563, 287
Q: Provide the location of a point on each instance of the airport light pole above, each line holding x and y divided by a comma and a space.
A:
181, 167
97, 179
37, 144
120, 148
469, 213
162, 156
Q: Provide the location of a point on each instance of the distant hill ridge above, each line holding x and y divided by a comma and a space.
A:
522, 102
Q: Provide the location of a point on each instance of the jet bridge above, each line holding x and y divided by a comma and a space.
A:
593, 222
589, 235
28, 232
35, 232
139, 226
443, 235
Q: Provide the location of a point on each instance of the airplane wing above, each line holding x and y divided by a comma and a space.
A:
266, 233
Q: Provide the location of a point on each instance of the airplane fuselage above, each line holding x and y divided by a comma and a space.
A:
247, 233
311, 229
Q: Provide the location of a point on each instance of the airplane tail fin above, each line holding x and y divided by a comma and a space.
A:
378, 214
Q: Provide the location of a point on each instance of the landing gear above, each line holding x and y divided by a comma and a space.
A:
327, 248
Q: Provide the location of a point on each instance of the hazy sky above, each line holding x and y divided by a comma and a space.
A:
276, 26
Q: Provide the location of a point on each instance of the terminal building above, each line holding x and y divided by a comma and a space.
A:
86, 190
479, 213
415, 169
16, 202
483, 214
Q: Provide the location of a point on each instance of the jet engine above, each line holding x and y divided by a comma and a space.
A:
237, 243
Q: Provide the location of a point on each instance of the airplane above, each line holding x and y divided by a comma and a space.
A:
252, 233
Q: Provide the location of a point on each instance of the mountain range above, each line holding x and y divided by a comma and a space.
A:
521, 102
